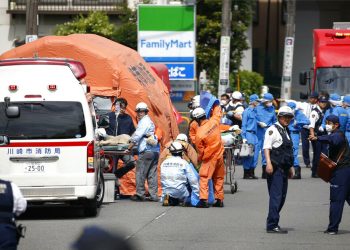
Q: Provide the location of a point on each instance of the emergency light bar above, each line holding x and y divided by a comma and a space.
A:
13, 87
52, 87
76, 67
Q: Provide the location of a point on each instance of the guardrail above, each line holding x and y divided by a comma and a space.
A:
69, 6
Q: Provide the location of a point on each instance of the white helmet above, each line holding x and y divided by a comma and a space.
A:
198, 113
141, 106
236, 95
182, 137
176, 148
196, 101
285, 111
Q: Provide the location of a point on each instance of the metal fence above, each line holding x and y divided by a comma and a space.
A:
68, 6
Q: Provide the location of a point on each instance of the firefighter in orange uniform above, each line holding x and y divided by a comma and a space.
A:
210, 153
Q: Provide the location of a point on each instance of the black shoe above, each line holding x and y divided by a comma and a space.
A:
252, 174
263, 174
308, 166
246, 174
297, 175
202, 204
152, 199
276, 230
136, 197
314, 175
330, 232
218, 203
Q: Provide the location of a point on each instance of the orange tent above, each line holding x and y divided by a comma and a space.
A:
112, 70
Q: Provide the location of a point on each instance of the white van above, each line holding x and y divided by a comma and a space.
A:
52, 155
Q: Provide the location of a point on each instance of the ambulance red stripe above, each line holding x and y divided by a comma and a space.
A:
48, 144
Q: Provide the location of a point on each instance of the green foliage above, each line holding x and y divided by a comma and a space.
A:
209, 32
250, 82
95, 23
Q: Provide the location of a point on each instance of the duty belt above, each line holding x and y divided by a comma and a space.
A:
7, 221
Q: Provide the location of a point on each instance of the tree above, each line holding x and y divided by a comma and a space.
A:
250, 82
95, 23
209, 32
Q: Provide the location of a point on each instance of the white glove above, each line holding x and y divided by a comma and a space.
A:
262, 124
320, 129
234, 128
244, 140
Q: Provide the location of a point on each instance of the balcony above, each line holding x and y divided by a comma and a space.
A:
69, 7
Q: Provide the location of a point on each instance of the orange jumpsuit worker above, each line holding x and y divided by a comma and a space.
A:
210, 153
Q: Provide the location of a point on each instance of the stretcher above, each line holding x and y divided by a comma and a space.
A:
234, 149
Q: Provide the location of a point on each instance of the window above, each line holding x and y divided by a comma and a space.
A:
44, 120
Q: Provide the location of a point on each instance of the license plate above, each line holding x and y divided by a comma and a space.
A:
34, 167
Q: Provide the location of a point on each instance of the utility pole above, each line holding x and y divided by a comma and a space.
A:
31, 20
286, 87
224, 72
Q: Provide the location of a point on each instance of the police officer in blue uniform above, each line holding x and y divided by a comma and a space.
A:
278, 149
266, 116
316, 128
249, 130
12, 204
339, 151
336, 109
295, 127
346, 104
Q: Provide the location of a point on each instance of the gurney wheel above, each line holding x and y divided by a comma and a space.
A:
234, 187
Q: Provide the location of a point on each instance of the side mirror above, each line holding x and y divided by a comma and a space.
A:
303, 96
303, 78
4, 140
12, 111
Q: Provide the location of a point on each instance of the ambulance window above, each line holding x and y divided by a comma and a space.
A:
44, 120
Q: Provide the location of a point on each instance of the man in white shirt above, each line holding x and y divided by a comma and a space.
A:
278, 149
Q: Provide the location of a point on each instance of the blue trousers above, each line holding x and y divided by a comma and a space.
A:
347, 134
339, 193
305, 143
250, 162
277, 185
318, 148
261, 136
8, 236
295, 139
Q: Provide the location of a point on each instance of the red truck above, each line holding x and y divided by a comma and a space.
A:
331, 62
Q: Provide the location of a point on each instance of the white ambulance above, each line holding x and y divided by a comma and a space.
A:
51, 126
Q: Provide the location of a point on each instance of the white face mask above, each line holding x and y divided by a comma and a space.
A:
329, 128
223, 102
269, 104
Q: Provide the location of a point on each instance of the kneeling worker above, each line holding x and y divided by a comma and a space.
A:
176, 175
278, 149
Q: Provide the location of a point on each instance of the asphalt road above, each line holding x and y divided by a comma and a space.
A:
239, 225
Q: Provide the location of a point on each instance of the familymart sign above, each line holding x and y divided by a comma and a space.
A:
166, 34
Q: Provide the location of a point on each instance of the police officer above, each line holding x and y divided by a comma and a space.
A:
336, 109
12, 204
249, 130
295, 126
315, 127
266, 116
340, 182
176, 176
278, 149
307, 107
225, 107
346, 104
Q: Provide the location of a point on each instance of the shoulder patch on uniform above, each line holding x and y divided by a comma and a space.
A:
313, 116
270, 132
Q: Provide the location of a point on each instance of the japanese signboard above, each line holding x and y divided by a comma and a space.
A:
166, 34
